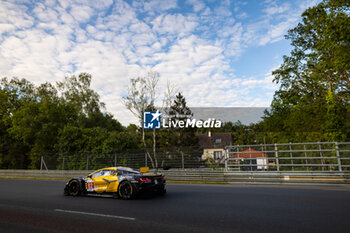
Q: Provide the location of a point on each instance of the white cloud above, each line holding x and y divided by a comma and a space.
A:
265, 83
176, 24
46, 41
222, 11
242, 15
197, 5
273, 8
81, 13
45, 14
15, 15
275, 23
160, 5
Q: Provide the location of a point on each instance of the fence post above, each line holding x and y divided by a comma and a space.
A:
277, 161
238, 163
262, 167
115, 159
226, 158
306, 162
338, 156
322, 161
291, 155
182, 160
146, 159
43, 164
63, 161
87, 160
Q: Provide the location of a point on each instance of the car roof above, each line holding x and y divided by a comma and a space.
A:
115, 169
118, 168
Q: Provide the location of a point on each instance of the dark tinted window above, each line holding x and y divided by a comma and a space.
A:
103, 173
125, 172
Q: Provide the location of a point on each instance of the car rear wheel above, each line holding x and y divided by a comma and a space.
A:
126, 190
74, 188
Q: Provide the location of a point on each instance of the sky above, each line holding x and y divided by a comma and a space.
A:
217, 53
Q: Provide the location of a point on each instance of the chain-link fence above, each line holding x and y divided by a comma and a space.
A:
163, 158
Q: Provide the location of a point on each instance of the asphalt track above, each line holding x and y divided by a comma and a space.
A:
39, 206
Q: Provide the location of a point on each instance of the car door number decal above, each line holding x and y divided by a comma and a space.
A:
90, 186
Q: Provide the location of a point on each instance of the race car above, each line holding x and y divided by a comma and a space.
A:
121, 182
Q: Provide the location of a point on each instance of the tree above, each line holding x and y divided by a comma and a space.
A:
13, 153
142, 96
39, 120
334, 124
179, 111
76, 89
314, 79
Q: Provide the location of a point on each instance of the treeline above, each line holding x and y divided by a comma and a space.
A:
68, 119
48, 119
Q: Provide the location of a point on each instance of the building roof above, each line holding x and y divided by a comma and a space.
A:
214, 140
250, 153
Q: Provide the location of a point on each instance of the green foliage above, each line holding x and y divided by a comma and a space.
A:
180, 137
334, 125
311, 104
36, 121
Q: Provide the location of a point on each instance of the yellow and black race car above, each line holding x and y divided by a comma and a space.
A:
121, 182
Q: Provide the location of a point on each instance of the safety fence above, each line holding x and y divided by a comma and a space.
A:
286, 157
315, 156
167, 158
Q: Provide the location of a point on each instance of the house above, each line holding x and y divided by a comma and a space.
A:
214, 144
258, 159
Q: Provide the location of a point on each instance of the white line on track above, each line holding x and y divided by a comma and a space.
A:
95, 214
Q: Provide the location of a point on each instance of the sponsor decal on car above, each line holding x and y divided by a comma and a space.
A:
90, 186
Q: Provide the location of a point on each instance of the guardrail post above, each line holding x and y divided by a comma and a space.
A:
338, 157
277, 161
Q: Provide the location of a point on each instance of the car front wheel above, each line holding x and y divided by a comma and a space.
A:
74, 188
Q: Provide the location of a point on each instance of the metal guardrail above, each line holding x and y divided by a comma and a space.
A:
205, 176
